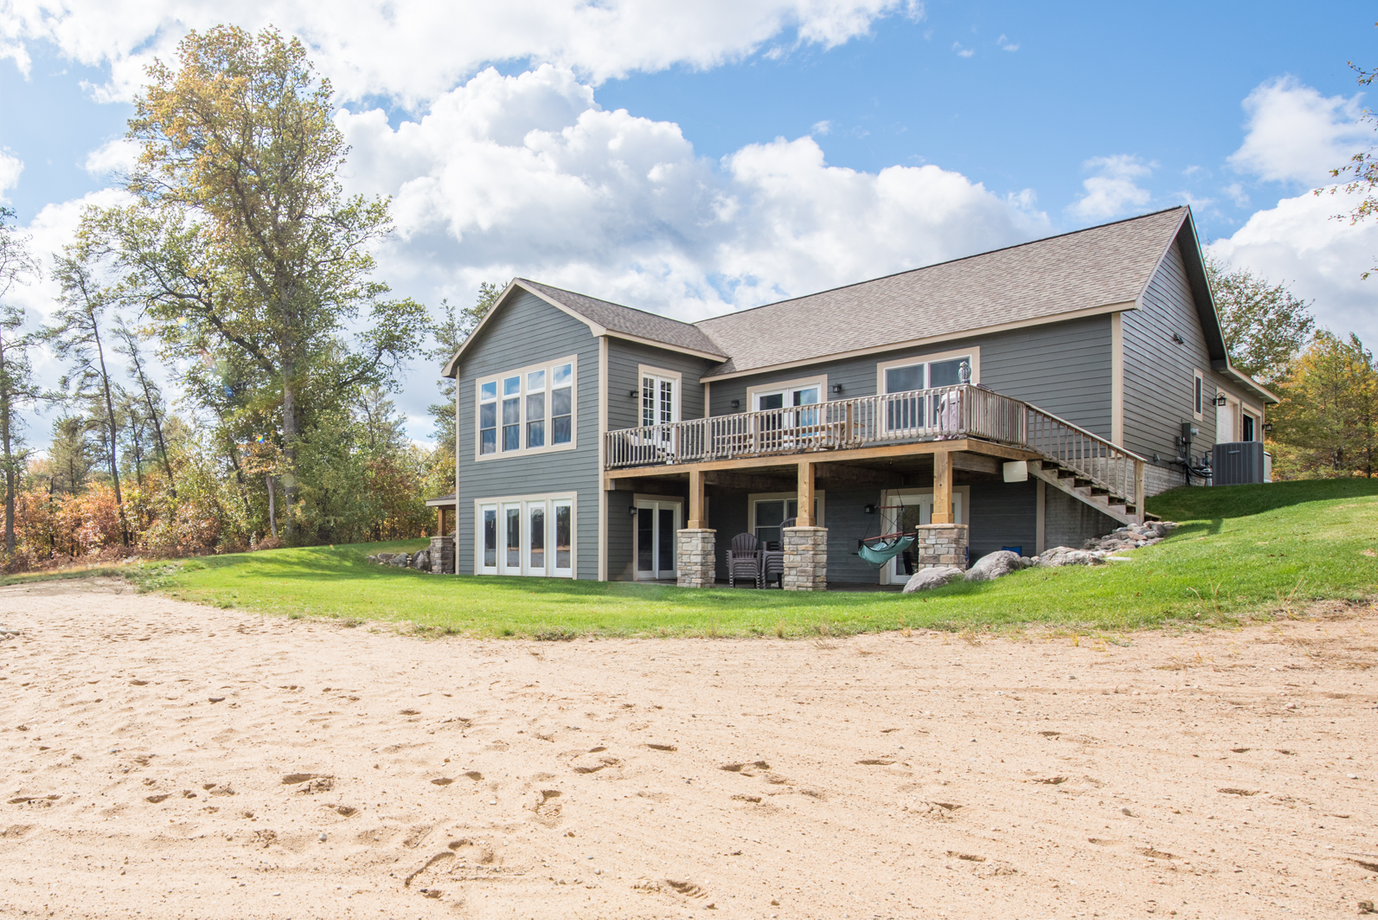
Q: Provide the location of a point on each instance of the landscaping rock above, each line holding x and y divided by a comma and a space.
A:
383, 558
925, 579
400, 560
421, 561
993, 565
1065, 555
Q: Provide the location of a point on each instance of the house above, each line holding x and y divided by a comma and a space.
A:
1026, 397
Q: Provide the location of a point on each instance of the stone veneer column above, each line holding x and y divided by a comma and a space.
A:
697, 558
442, 555
806, 559
942, 544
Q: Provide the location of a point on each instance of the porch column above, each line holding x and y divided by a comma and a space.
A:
696, 552
805, 546
942, 487
696, 516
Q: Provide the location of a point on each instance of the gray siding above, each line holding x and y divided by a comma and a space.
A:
1070, 522
1003, 514
528, 331
1063, 368
1158, 380
624, 410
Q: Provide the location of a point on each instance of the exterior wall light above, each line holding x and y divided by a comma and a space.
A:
1177, 337
632, 510
736, 403
1221, 400
836, 388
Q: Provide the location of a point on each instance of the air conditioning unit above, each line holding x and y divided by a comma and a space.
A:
1237, 463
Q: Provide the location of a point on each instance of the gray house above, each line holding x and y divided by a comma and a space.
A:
1027, 397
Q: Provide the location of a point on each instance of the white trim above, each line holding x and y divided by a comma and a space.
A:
973, 354
638, 501
1237, 403
522, 501
602, 431
520, 373
1198, 411
930, 340
783, 386
649, 370
1116, 379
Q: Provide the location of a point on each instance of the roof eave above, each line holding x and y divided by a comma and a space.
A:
451, 368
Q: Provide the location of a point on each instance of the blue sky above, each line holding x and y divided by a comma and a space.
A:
700, 160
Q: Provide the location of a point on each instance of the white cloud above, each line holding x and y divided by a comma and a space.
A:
417, 51
1114, 190
10, 168
527, 175
1300, 242
823, 127
962, 52
113, 158
1297, 135
1005, 44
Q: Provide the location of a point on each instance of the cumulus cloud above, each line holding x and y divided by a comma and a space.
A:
1300, 241
10, 168
1294, 134
1114, 190
112, 159
961, 51
1005, 44
528, 175
418, 50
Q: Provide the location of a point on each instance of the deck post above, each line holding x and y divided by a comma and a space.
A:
804, 517
942, 487
1139, 489
696, 517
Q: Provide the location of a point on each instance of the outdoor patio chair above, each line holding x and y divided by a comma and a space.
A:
773, 567
744, 558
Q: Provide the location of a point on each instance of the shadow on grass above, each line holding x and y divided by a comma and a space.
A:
1194, 503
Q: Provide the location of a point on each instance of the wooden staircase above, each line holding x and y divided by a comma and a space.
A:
1087, 467
1120, 507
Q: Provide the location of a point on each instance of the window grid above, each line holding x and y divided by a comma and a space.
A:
527, 410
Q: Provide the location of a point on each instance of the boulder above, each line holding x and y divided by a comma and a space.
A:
925, 579
383, 558
993, 565
400, 560
422, 561
1065, 555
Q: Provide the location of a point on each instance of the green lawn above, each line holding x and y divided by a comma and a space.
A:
1241, 551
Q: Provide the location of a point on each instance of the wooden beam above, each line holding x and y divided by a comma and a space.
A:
696, 516
787, 461
975, 463
837, 475
805, 494
942, 488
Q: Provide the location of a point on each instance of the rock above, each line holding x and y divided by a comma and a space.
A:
993, 565
400, 560
1065, 555
383, 558
925, 579
421, 561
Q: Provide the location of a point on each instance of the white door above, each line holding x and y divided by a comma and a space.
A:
1225, 421
901, 512
561, 546
655, 532
488, 540
510, 547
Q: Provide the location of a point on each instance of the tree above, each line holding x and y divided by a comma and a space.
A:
1329, 416
1362, 168
241, 245
127, 344
457, 326
76, 334
17, 388
1265, 325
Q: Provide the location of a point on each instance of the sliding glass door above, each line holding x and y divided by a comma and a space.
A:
531, 536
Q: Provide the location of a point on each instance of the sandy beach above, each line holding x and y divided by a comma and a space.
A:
161, 759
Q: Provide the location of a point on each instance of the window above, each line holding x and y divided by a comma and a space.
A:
659, 397
655, 532
1198, 394
796, 395
908, 375
770, 510
530, 409
1249, 428
525, 535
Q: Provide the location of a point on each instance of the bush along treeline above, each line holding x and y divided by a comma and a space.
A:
237, 266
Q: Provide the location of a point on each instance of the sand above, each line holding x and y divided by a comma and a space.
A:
161, 759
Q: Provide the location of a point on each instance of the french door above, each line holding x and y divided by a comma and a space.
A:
526, 537
654, 537
902, 511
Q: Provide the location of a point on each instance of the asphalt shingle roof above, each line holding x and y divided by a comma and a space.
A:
629, 321
1090, 268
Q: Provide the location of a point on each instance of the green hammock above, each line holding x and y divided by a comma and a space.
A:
885, 550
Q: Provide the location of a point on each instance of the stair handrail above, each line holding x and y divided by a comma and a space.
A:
1131, 487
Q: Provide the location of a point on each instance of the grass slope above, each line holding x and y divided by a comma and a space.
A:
1241, 550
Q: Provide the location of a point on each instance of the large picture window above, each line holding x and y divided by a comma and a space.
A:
926, 373
526, 410
525, 535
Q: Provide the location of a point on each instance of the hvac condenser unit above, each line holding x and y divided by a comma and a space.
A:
1237, 463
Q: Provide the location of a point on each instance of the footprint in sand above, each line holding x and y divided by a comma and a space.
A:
663, 747
309, 783
155, 799
548, 808
594, 767
441, 781
688, 889
474, 775
742, 768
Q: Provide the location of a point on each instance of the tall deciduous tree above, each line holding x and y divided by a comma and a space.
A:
1360, 175
1329, 416
127, 343
17, 388
1265, 324
241, 243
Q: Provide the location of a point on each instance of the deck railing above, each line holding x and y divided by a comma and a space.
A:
942, 413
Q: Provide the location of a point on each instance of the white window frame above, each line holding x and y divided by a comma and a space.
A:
754, 394
524, 505
656, 502
659, 374
753, 498
522, 424
972, 354
1198, 385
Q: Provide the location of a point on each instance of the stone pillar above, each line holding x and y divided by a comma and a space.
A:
443, 555
942, 544
696, 558
806, 559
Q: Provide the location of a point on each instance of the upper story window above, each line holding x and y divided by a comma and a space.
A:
528, 409
929, 372
659, 396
